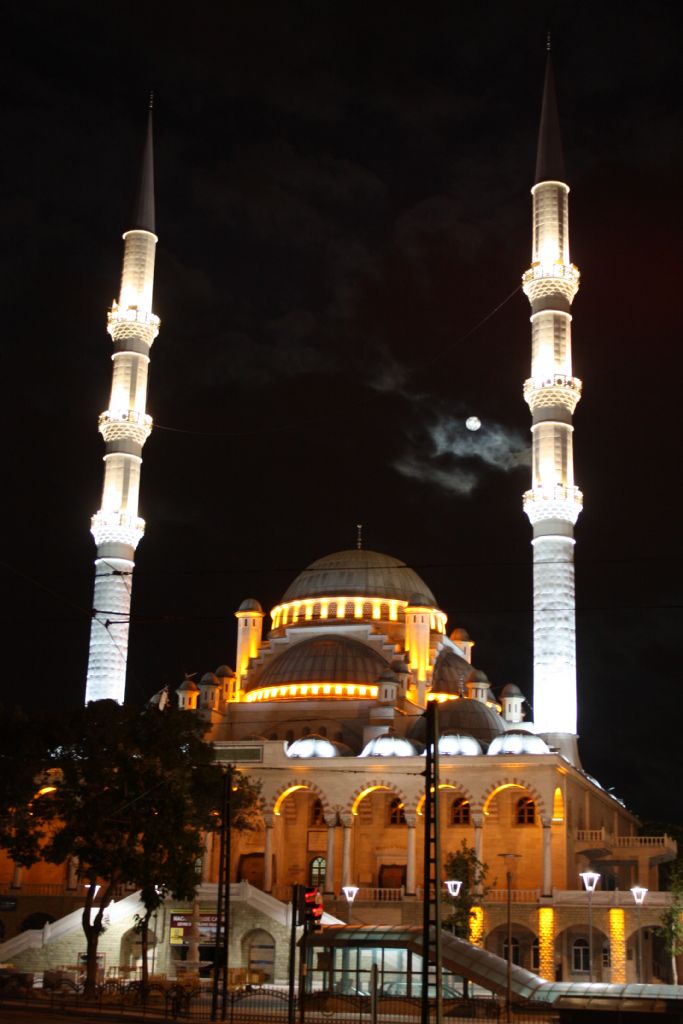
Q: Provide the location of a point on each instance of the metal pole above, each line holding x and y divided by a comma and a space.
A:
431, 916
292, 954
640, 946
217, 958
374, 992
226, 884
590, 935
509, 972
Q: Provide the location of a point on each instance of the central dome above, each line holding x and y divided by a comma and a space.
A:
360, 573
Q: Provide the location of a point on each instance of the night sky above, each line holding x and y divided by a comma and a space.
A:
344, 215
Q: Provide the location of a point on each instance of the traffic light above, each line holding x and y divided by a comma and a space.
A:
313, 908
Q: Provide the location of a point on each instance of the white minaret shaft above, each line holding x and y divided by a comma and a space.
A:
125, 426
554, 502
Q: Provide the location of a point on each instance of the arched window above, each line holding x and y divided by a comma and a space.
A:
580, 956
515, 950
460, 811
526, 811
316, 872
397, 814
317, 813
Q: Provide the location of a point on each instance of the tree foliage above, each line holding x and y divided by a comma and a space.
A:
672, 918
135, 790
464, 866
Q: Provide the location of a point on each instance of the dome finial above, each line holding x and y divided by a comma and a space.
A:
359, 535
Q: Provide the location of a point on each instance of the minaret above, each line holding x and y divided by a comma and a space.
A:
125, 426
554, 502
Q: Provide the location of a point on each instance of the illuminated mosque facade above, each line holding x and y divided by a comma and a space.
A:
325, 709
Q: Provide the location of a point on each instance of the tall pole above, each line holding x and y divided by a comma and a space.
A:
590, 880
431, 915
222, 935
509, 858
125, 426
296, 900
639, 893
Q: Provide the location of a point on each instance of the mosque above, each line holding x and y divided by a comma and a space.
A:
324, 707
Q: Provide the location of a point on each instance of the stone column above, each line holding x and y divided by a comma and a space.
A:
346, 820
411, 822
547, 889
207, 856
478, 822
331, 822
72, 873
269, 821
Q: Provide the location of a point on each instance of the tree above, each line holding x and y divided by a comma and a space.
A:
134, 792
464, 866
672, 918
24, 786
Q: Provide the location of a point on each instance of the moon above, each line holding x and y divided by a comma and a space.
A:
473, 423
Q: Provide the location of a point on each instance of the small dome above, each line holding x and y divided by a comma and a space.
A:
510, 690
387, 677
452, 744
477, 676
209, 679
466, 717
225, 672
516, 741
418, 600
314, 746
450, 673
188, 685
251, 605
399, 666
358, 573
460, 636
389, 746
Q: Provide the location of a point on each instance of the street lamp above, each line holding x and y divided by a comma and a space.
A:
639, 894
453, 887
590, 880
350, 893
509, 858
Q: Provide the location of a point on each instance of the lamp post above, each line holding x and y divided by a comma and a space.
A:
590, 880
639, 894
223, 901
509, 858
350, 893
453, 887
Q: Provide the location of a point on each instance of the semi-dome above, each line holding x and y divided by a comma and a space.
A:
516, 741
314, 745
359, 573
451, 672
465, 716
322, 659
389, 745
452, 744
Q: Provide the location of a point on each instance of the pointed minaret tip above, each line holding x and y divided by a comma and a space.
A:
143, 211
549, 159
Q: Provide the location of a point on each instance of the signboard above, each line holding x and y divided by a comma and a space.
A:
8, 902
181, 924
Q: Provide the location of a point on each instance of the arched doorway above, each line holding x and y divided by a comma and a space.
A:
258, 951
130, 957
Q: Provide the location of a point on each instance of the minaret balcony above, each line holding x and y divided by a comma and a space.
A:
117, 528
542, 280
132, 323
558, 502
125, 424
558, 390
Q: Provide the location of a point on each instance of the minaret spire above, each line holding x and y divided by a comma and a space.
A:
143, 213
554, 502
125, 426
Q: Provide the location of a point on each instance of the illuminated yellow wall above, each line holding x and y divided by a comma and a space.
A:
617, 940
546, 943
477, 926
